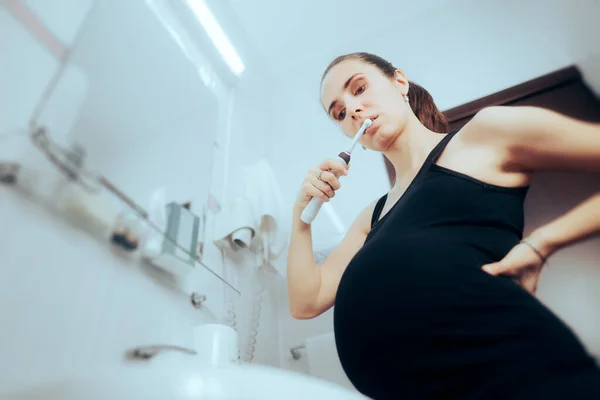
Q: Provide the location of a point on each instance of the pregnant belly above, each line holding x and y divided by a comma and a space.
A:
422, 279
434, 314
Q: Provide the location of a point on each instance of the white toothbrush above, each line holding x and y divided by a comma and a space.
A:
314, 205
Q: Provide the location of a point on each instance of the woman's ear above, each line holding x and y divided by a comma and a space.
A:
401, 80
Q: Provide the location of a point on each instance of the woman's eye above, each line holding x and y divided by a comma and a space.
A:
341, 115
360, 90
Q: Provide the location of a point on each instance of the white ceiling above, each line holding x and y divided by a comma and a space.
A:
483, 45
286, 31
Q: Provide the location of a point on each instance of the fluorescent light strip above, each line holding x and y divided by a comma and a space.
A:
216, 34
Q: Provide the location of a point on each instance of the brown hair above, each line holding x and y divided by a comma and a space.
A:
421, 101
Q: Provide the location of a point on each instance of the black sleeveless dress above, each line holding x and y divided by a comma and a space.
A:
416, 317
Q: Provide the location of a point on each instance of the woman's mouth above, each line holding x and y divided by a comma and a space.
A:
373, 128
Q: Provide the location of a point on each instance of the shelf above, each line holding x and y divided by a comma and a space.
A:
93, 204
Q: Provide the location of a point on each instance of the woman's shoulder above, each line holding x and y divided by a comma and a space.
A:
375, 204
486, 119
499, 122
365, 218
487, 139
490, 126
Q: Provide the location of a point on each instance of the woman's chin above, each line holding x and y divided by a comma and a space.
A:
382, 140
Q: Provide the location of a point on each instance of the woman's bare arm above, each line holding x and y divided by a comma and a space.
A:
312, 289
537, 139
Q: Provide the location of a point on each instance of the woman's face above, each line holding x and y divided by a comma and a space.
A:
354, 90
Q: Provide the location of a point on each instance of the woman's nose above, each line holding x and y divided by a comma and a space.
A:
356, 108
357, 113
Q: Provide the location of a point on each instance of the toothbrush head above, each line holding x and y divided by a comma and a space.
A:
367, 123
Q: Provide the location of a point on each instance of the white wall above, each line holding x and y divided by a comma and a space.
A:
461, 51
569, 284
248, 142
69, 299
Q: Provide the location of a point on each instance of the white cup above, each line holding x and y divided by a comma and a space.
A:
216, 344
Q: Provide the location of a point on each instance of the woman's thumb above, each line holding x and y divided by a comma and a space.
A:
493, 268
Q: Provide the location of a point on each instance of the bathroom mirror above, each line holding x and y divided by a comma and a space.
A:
134, 106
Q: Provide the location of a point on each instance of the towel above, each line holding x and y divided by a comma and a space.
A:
237, 227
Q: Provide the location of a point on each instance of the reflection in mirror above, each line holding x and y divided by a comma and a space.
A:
131, 117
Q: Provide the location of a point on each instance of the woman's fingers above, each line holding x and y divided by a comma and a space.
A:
329, 178
337, 167
321, 181
324, 187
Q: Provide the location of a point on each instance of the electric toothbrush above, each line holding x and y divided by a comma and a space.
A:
314, 205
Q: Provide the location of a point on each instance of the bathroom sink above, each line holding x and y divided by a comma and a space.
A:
185, 381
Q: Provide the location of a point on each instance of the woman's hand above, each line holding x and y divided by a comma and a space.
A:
522, 264
321, 181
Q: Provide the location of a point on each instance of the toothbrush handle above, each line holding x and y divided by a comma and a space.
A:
314, 205
311, 210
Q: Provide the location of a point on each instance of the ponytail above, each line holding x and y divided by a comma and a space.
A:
425, 109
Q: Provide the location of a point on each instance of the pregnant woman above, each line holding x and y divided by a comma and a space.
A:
434, 285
